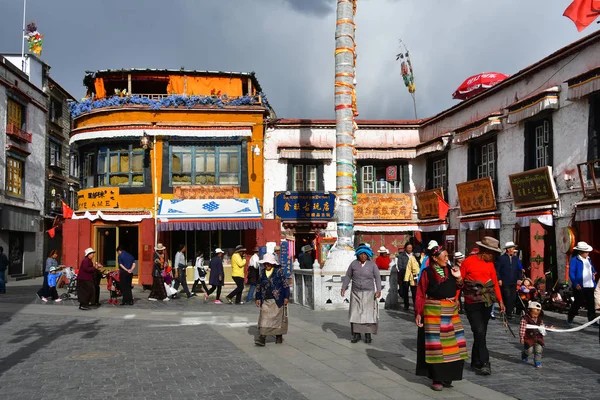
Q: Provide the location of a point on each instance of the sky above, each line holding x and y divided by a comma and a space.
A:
289, 44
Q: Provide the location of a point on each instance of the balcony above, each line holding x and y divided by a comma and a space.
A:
588, 179
18, 134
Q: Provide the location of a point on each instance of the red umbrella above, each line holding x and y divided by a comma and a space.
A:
477, 84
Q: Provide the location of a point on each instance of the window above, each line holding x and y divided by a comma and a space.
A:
383, 178
205, 165
74, 165
56, 112
487, 161
120, 166
304, 178
15, 114
55, 154
538, 143
594, 129
14, 176
89, 171
440, 179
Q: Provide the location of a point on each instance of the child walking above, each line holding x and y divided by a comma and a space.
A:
53, 277
532, 339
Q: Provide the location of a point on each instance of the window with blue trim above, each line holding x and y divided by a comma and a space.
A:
205, 165
121, 166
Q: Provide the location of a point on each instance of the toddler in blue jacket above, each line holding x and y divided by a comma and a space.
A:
53, 277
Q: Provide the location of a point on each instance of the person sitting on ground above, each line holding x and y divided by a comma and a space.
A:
53, 277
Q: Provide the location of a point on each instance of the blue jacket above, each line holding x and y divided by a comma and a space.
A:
576, 272
508, 272
53, 279
277, 285
424, 265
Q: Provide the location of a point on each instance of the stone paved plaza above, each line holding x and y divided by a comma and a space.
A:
186, 349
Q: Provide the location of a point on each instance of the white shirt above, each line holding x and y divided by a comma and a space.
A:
588, 276
199, 264
254, 261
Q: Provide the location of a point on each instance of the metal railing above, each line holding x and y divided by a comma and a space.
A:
12, 130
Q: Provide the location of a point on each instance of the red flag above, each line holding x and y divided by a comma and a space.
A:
443, 207
51, 232
583, 12
67, 211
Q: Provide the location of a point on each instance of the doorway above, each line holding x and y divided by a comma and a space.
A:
107, 240
15, 253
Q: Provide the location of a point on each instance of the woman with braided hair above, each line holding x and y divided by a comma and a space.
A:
366, 289
441, 345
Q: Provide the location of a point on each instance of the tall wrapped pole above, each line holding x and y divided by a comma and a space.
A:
345, 112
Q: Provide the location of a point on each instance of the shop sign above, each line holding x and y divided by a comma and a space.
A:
284, 258
391, 173
391, 206
427, 203
533, 187
297, 206
476, 196
206, 192
99, 198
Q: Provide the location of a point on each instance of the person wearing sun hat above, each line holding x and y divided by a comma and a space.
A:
510, 273
238, 273
481, 290
582, 275
217, 274
383, 260
272, 297
85, 279
158, 291
366, 289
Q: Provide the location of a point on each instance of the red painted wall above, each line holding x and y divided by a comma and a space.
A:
146, 251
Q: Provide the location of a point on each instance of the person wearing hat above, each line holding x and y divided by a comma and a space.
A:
510, 274
307, 259
272, 297
532, 339
383, 260
53, 276
253, 274
217, 275
366, 289
481, 290
238, 273
86, 292
158, 291
441, 344
582, 275
430, 246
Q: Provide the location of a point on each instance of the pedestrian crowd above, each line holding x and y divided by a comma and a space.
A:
440, 291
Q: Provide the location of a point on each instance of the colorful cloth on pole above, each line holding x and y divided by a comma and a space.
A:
406, 69
34, 39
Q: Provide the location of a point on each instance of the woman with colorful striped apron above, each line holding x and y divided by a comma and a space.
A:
441, 345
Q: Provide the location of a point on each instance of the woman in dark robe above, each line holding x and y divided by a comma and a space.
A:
217, 275
441, 345
158, 291
86, 291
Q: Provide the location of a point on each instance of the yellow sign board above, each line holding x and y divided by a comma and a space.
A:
390, 206
427, 203
98, 198
476, 196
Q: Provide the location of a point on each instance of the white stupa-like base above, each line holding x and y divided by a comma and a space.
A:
319, 288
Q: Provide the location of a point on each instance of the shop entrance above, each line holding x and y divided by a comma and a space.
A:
475, 236
107, 240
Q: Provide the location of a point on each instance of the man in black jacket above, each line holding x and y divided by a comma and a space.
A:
402, 263
510, 274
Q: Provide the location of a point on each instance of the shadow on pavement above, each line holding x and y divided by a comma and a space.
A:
45, 335
403, 315
396, 363
341, 331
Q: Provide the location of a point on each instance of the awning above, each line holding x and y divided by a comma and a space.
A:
474, 222
434, 225
386, 228
542, 213
364, 154
195, 132
584, 84
588, 210
430, 148
533, 105
480, 128
133, 216
209, 214
300, 154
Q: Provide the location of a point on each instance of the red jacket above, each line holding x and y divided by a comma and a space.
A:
383, 262
86, 270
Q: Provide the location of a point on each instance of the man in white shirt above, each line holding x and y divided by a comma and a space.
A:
253, 275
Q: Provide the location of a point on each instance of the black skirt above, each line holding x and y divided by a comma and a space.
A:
86, 292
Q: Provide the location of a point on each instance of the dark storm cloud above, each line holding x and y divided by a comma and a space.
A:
290, 44
313, 7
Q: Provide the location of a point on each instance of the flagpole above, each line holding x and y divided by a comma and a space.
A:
23, 38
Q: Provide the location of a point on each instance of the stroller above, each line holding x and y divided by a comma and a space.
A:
524, 296
113, 286
71, 284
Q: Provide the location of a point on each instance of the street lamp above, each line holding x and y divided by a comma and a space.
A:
145, 141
